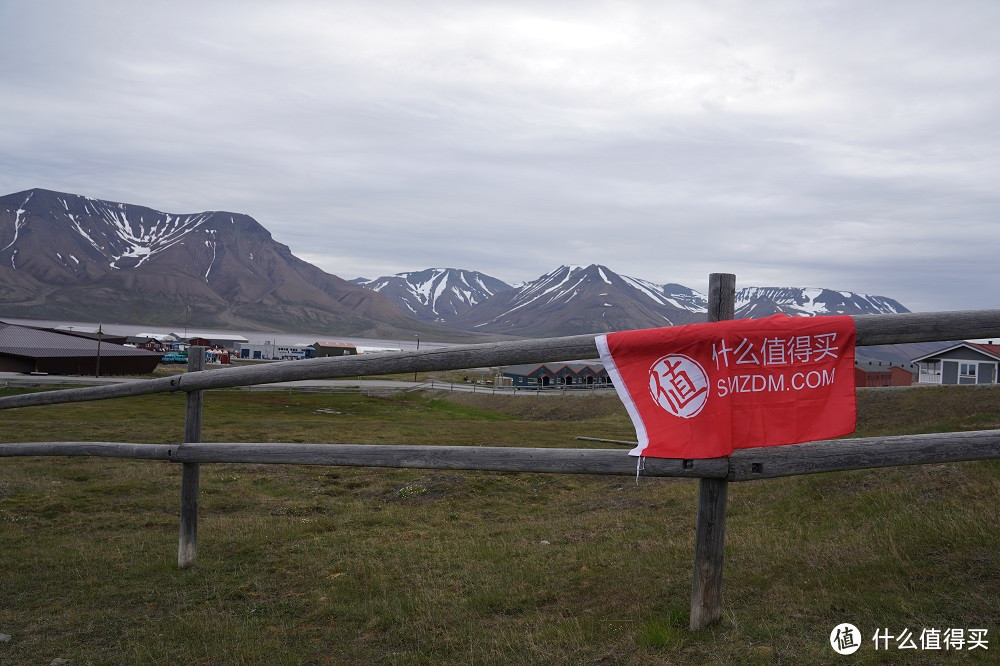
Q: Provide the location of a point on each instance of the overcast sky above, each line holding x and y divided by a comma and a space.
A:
848, 145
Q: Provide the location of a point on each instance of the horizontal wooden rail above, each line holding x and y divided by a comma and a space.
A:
871, 330
839, 455
743, 465
484, 458
93, 449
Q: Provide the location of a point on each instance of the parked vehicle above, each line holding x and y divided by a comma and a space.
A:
173, 357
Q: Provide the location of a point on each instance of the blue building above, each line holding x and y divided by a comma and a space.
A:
545, 375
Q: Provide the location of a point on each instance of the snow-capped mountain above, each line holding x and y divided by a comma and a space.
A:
758, 302
436, 294
578, 299
671, 295
64, 256
67, 257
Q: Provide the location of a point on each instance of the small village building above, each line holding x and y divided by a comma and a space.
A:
31, 350
964, 363
588, 374
333, 349
271, 351
147, 343
530, 375
566, 376
870, 375
222, 356
210, 339
544, 375
162, 337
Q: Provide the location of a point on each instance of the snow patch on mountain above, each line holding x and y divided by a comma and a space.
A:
670, 295
18, 224
436, 294
556, 285
753, 302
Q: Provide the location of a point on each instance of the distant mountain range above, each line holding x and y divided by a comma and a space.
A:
757, 302
578, 299
69, 257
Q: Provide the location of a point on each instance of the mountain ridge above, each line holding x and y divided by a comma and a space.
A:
66, 256
591, 299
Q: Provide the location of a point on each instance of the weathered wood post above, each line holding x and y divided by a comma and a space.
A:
713, 495
187, 546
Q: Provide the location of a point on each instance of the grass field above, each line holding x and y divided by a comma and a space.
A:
355, 566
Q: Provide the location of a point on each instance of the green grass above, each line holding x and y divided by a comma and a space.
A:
356, 566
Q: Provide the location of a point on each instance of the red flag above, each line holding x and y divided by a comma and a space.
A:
703, 390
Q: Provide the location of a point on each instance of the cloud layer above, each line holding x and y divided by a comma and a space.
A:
848, 145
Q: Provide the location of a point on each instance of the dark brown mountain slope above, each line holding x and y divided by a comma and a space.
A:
64, 256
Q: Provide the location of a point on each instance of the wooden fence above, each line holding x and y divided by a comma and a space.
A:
713, 474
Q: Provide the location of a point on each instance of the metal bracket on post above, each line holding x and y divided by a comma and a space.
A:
713, 495
187, 546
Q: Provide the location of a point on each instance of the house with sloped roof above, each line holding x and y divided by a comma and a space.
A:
531, 375
31, 350
147, 343
543, 375
964, 363
588, 373
210, 339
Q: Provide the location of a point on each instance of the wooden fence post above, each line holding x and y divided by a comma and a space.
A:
713, 495
187, 546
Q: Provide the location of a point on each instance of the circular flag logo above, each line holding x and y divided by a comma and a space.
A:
679, 385
845, 638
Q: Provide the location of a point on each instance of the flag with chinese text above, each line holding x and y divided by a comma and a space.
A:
704, 390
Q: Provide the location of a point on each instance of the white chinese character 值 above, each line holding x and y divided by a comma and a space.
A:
775, 351
930, 639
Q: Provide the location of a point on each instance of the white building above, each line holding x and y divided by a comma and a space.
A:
271, 351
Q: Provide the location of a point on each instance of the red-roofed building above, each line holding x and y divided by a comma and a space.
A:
965, 363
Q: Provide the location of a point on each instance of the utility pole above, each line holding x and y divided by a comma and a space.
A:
418, 347
100, 334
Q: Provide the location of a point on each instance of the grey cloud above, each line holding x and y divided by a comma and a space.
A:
849, 145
